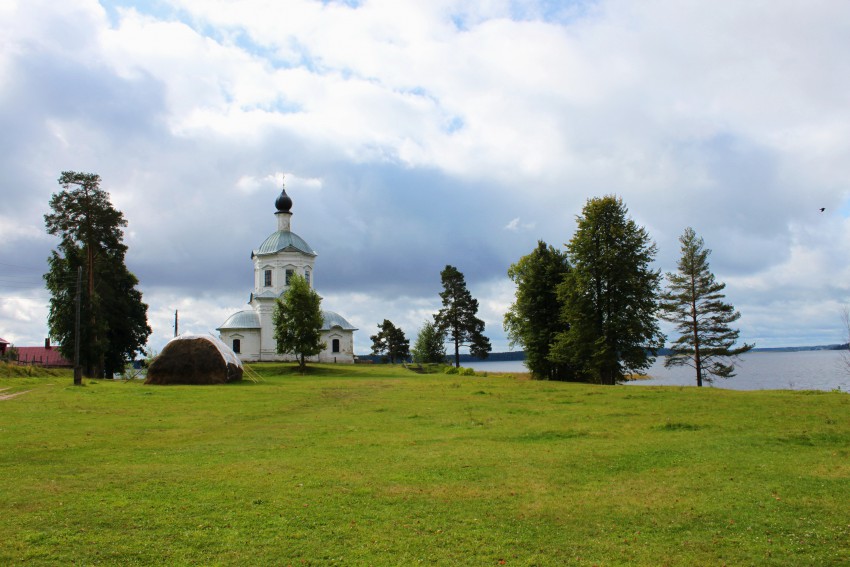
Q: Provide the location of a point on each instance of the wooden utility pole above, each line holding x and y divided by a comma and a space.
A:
175, 323
78, 372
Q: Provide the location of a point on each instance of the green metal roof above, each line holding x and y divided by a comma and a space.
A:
281, 240
331, 319
247, 319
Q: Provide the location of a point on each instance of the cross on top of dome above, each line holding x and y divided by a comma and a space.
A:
283, 201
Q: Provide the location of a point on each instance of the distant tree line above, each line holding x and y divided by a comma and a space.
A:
591, 313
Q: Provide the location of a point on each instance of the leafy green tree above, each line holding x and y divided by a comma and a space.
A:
533, 321
430, 345
610, 297
457, 318
391, 342
298, 321
693, 301
114, 327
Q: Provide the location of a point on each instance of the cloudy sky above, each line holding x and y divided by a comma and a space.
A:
418, 134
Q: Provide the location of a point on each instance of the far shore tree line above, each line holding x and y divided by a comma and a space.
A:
589, 313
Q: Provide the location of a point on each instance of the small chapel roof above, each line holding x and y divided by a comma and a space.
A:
247, 319
332, 319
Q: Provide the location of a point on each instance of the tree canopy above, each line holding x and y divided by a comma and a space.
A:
390, 342
610, 296
114, 327
693, 301
298, 321
457, 319
430, 345
534, 320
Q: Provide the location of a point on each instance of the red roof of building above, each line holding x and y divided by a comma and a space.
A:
42, 355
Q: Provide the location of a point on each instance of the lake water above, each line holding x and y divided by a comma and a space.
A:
803, 370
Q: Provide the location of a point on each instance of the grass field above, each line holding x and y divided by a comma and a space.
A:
361, 465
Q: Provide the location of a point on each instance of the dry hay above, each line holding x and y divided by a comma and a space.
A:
193, 360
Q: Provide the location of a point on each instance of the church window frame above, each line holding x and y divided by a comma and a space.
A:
237, 346
289, 273
307, 277
335, 346
267, 277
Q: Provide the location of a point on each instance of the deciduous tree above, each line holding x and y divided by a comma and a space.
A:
457, 319
298, 321
610, 297
534, 320
114, 327
693, 301
391, 342
430, 345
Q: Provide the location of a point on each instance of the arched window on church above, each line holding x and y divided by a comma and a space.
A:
335, 345
289, 274
268, 278
237, 346
307, 276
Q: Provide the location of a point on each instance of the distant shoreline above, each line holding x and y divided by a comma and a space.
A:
520, 355
801, 348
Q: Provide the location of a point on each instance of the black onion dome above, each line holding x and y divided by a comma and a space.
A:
283, 202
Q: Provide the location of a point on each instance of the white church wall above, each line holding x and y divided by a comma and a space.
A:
283, 261
249, 343
346, 346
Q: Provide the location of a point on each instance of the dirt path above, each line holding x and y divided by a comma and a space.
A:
10, 396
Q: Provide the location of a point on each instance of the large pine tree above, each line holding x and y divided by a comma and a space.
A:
694, 302
457, 319
391, 342
113, 318
610, 297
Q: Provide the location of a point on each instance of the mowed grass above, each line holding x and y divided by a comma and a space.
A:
359, 465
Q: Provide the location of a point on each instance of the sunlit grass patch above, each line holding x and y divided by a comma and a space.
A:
375, 464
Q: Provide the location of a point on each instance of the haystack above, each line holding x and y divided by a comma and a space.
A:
195, 359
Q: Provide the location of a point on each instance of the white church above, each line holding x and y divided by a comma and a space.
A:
250, 333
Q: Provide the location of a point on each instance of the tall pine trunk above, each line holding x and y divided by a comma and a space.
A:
697, 360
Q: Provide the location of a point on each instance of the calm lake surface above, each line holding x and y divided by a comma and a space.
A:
803, 370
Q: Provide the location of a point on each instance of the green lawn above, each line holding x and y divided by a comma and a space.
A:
360, 465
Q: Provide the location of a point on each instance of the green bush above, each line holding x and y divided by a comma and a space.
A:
11, 354
467, 372
450, 370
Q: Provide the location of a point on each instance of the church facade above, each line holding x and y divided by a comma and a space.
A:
250, 333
